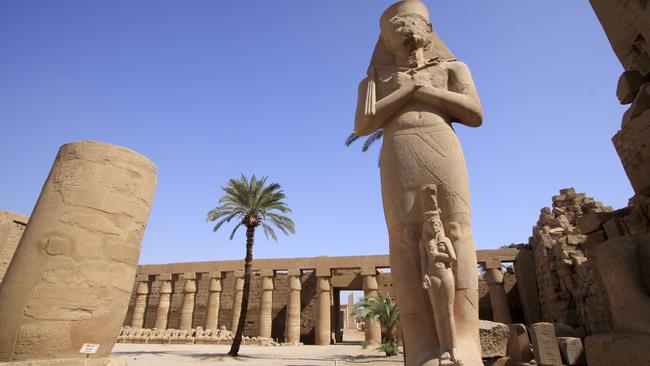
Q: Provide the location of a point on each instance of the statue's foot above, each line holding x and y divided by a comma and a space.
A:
445, 356
458, 362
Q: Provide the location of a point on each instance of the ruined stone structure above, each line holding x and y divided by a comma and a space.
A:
302, 302
73, 270
620, 241
12, 226
570, 288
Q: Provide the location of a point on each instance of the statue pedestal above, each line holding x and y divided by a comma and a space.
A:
614, 349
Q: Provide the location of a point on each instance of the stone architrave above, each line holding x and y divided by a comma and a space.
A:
71, 278
373, 327
164, 301
236, 304
214, 300
292, 320
323, 323
498, 298
545, 347
411, 75
141, 294
189, 295
266, 305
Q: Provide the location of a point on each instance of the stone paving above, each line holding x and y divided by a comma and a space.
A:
203, 354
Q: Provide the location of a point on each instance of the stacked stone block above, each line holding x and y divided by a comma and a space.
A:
570, 289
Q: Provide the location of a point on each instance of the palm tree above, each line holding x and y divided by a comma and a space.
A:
251, 203
383, 308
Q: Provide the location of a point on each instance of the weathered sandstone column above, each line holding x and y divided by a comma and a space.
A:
164, 301
236, 304
292, 320
266, 305
71, 277
187, 309
498, 298
141, 294
373, 327
323, 324
214, 300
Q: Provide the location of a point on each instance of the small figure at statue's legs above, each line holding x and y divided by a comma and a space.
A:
437, 257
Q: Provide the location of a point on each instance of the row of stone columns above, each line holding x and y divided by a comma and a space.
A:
292, 320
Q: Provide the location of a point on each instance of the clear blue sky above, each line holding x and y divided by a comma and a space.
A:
211, 89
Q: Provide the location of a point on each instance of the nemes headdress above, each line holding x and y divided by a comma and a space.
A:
381, 57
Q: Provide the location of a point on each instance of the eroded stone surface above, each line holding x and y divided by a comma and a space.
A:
410, 73
71, 277
494, 339
545, 347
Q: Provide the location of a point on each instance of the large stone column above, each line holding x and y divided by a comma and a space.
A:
292, 320
71, 277
164, 301
323, 324
498, 298
266, 305
236, 304
373, 327
189, 292
141, 294
214, 301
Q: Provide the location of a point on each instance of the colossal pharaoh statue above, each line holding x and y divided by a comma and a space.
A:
414, 90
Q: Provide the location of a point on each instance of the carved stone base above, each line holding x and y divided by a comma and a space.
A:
617, 349
631, 143
70, 362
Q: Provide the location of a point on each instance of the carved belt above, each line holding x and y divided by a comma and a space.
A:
419, 130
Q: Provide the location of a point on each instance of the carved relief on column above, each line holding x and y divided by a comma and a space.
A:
237, 299
141, 294
189, 294
214, 300
373, 327
498, 298
164, 300
323, 324
75, 265
292, 320
266, 305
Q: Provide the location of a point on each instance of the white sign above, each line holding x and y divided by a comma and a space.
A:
89, 348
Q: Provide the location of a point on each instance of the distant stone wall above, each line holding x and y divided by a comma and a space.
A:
345, 273
570, 288
12, 226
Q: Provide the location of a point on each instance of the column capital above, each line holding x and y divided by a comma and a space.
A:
215, 284
238, 274
141, 278
215, 274
370, 283
323, 284
267, 273
143, 288
368, 271
165, 277
294, 272
189, 275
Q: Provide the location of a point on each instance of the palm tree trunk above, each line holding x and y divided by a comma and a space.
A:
248, 264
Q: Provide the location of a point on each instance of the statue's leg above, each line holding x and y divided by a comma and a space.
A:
418, 328
456, 219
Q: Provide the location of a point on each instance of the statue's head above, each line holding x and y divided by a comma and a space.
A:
433, 221
405, 26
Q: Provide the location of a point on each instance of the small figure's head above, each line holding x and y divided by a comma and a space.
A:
405, 27
433, 222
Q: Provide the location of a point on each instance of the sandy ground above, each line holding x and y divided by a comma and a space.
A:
203, 354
